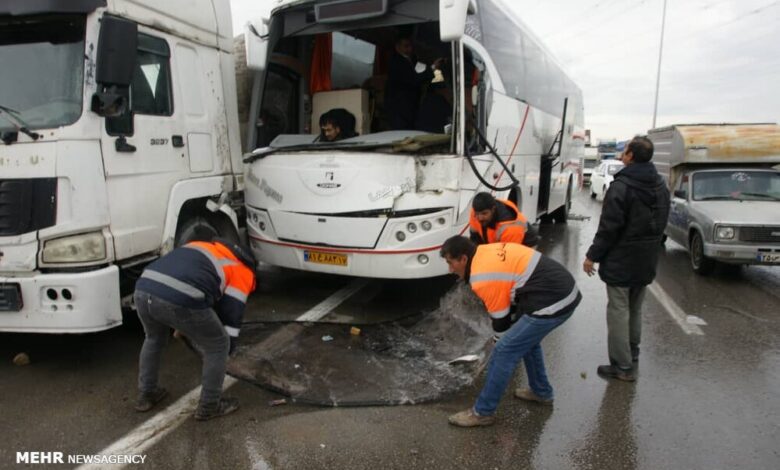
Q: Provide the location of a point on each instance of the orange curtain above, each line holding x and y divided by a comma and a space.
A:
321, 63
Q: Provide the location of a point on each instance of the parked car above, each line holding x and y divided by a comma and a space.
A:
603, 177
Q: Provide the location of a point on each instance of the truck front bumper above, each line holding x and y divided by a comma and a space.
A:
82, 302
743, 254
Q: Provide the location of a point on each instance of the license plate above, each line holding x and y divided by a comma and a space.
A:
771, 258
10, 298
335, 259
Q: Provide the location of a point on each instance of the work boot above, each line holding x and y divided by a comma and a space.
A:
615, 372
224, 406
147, 400
469, 419
528, 395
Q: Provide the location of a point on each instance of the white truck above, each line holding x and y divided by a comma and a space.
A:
118, 141
725, 180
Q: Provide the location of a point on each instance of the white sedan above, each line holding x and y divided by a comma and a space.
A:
602, 177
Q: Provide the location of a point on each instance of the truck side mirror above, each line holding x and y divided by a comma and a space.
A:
680, 193
116, 60
452, 18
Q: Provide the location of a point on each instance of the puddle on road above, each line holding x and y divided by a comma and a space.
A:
394, 363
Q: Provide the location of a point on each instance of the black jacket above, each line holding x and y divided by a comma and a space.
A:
402, 91
633, 218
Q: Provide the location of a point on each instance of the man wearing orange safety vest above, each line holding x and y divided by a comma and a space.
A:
527, 295
499, 220
200, 289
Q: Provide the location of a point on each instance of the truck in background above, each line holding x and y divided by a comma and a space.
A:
725, 183
588, 164
120, 140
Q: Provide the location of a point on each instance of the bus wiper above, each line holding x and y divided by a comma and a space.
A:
714, 198
761, 195
18, 122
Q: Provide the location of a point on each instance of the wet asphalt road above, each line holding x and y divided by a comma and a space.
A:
708, 401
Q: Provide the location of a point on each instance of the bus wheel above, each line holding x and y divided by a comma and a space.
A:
561, 214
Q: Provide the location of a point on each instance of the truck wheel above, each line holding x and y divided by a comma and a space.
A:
700, 263
204, 228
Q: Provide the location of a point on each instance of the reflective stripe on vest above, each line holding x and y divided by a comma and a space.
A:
236, 280
497, 271
175, 284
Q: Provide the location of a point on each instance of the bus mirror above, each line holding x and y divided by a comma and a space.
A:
256, 37
116, 54
452, 18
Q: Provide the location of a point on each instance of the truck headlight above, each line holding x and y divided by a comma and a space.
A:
75, 249
724, 233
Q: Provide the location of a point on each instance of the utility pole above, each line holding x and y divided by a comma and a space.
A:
660, 55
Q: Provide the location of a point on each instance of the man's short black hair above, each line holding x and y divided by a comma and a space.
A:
483, 201
641, 149
457, 246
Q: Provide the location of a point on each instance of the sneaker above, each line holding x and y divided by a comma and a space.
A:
146, 401
224, 406
469, 419
528, 395
615, 372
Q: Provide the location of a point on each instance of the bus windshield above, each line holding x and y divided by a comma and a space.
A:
43, 70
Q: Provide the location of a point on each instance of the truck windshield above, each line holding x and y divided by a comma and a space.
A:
42, 59
737, 184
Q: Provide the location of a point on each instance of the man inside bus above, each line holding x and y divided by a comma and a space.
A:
404, 83
499, 221
337, 124
527, 295
436, 107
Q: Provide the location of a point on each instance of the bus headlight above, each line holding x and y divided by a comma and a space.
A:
425, 225
411, 227
725, 233
400, 236
75, 249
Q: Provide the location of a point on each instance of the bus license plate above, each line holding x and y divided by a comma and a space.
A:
772, 258
335, 259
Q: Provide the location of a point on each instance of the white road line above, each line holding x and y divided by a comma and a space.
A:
674, 310
153, 430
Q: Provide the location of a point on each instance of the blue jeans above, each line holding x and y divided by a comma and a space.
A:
521, 341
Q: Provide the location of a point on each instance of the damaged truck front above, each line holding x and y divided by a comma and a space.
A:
118, 125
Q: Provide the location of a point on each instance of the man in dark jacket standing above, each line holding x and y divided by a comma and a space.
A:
626, 246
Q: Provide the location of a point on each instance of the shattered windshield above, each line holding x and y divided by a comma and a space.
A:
43, 70
738, 184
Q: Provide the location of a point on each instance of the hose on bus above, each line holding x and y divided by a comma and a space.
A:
469, 157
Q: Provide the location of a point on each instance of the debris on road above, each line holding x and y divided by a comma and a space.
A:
584, 375
327, 338
463, 359
22, 359
354, 331
279, 402
694, 320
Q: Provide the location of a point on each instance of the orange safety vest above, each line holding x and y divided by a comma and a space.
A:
236, 279
497, 271
508, 231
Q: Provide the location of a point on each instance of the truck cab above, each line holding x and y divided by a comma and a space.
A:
118, 127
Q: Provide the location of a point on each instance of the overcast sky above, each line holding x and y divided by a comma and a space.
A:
721, 59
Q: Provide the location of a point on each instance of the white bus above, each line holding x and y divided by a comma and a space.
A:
381, 204
118, 127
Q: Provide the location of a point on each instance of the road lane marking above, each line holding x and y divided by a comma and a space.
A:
674, 310
154, 429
